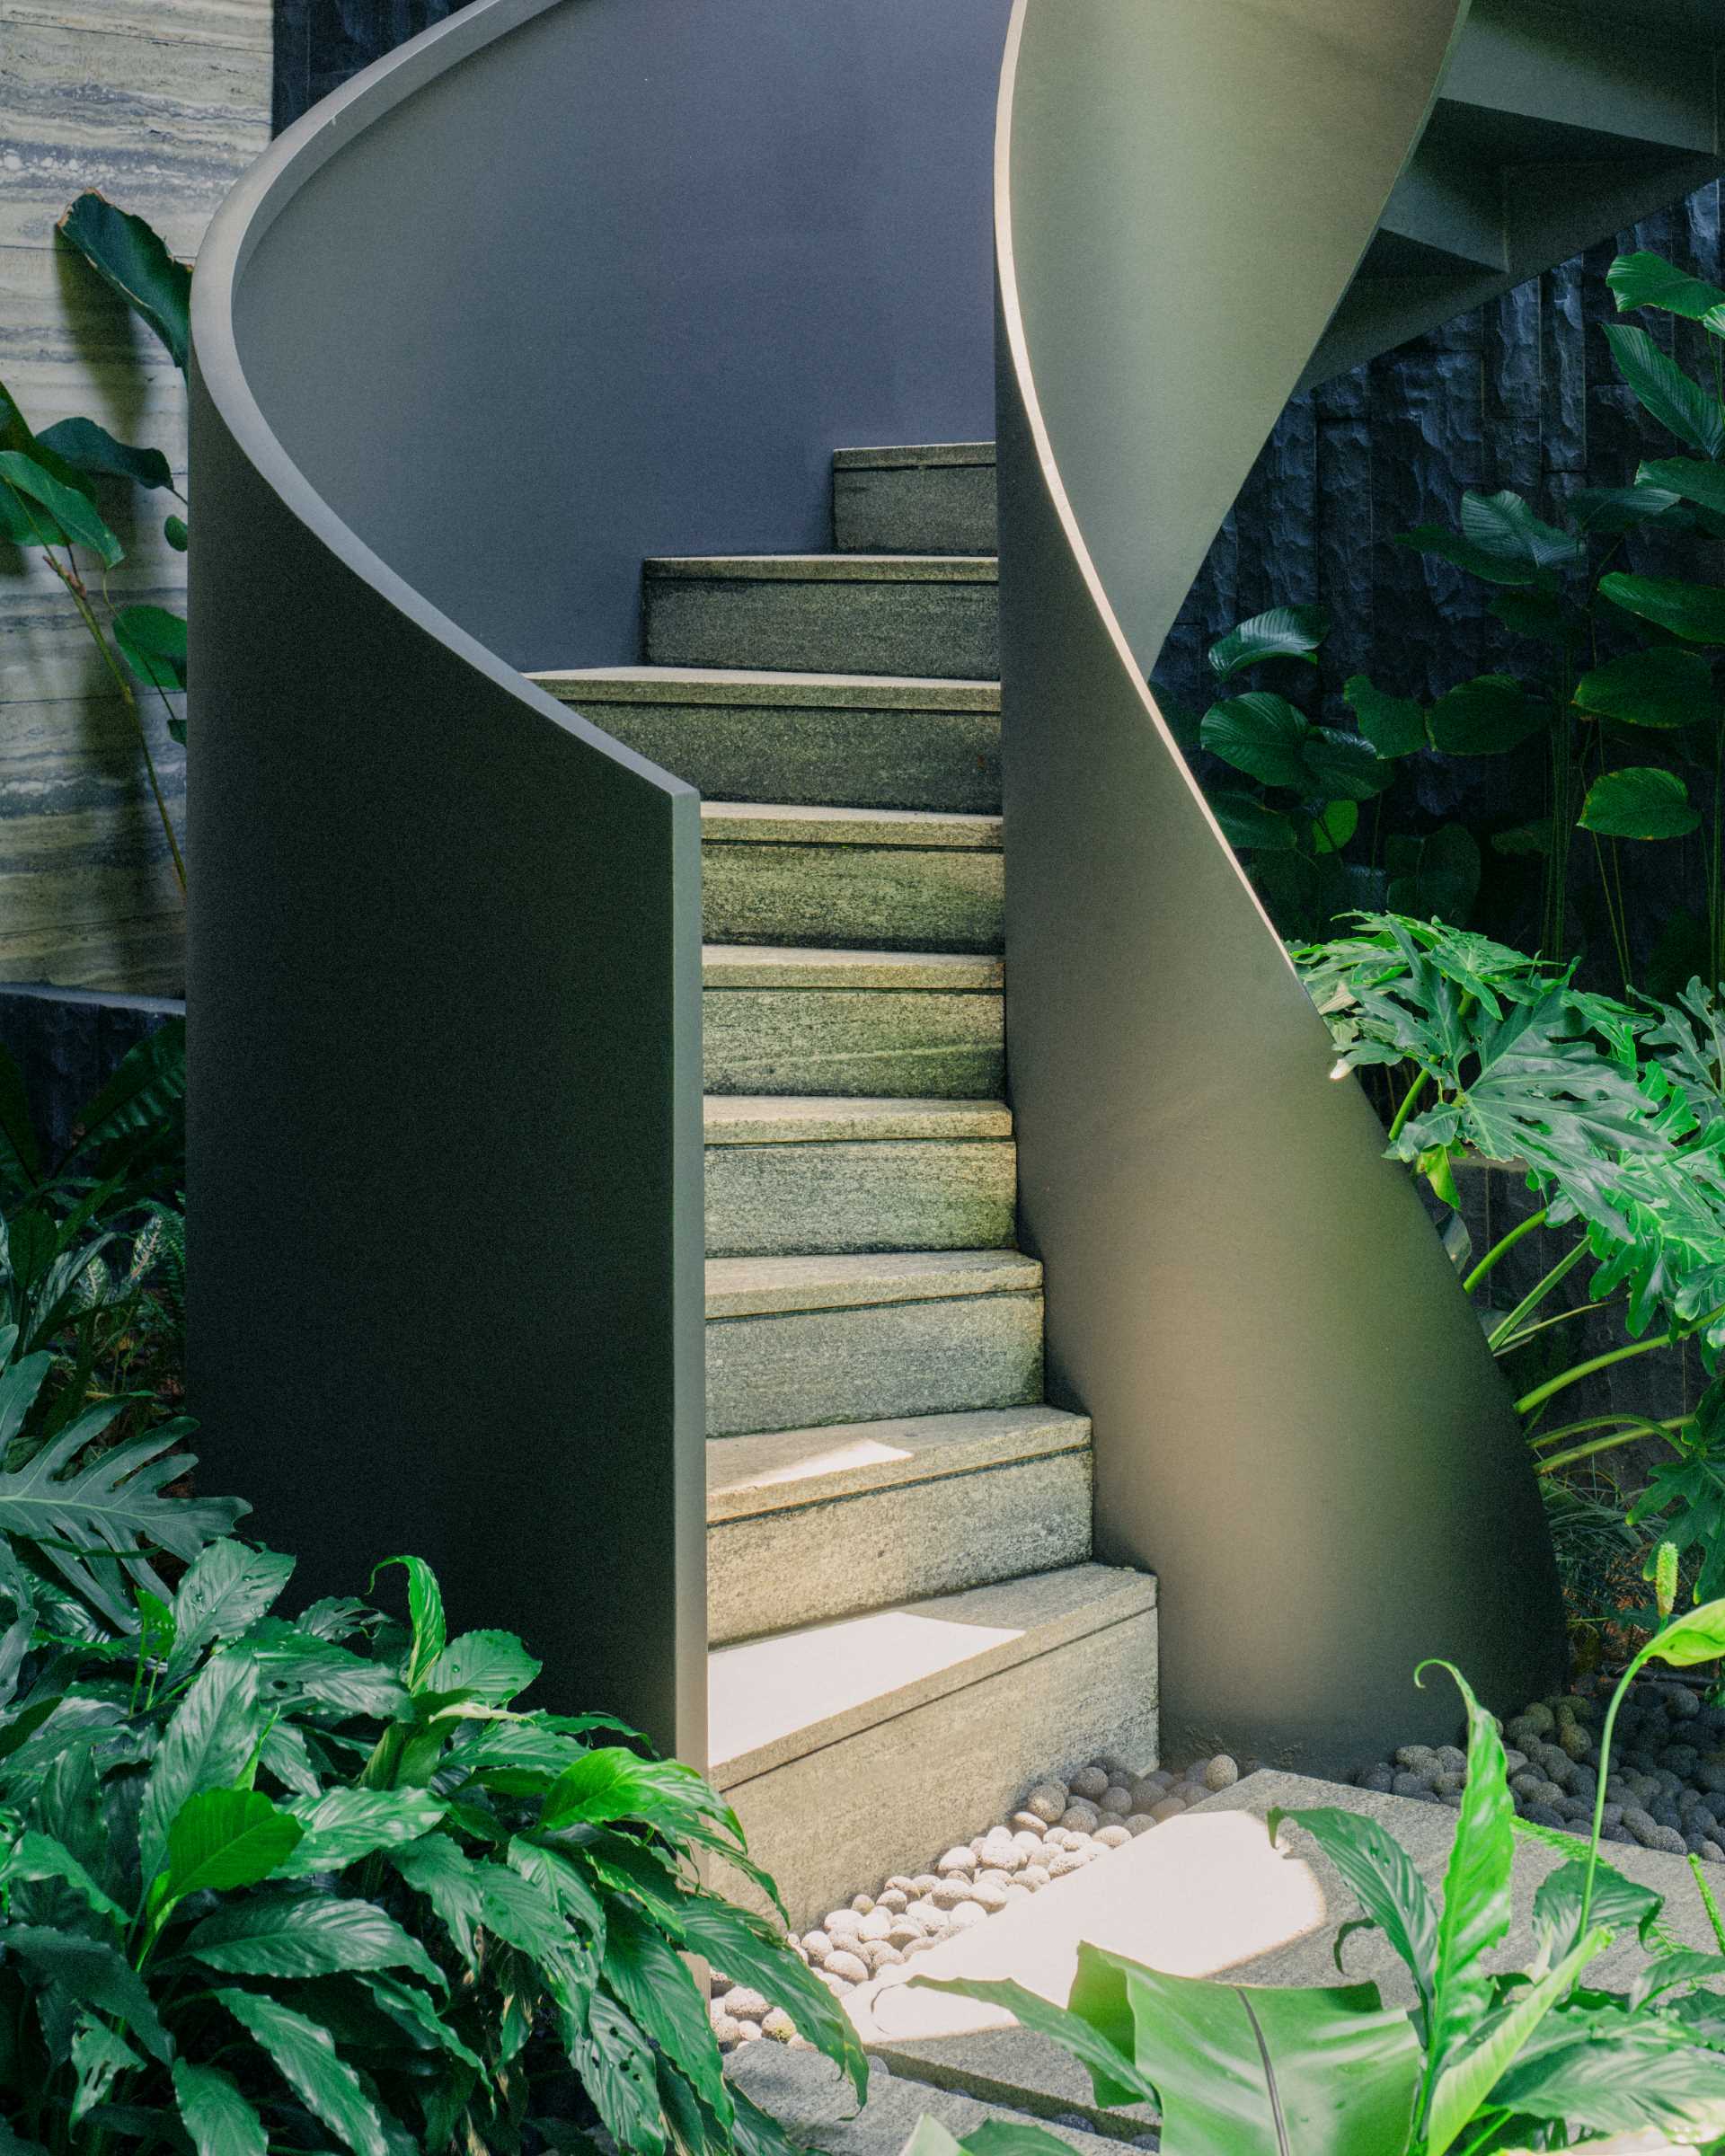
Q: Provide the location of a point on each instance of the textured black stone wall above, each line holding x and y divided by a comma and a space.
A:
319, 43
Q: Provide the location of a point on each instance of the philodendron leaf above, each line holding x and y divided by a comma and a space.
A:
1612, 510
1662, 686
1485, 717
1476, 1886
1648, 280
1283, 633
218, 2118
70, 513
1383, 1879
306, 2057
1639, 801
304, 1935
1335, 824
1261, 734
1694, 612
221, 1839
135, 260
1461, 554
152, 642
92, 448
1395, 726
1665, 391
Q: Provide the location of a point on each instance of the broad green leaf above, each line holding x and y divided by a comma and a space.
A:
1697, 1637
153, 644
1485, 717
470, 1895
1343, 766
993, 2137
208, 1743
1648, 280
1670, 1972
145, 1093
1620, 2073
1100, 2038
646, 1975
1664, 686
305, 1935
1395, 726
99, 2056
1694, 612
1261, 734
218, 2118
493, 1665
1461, 554
1469, 2076
1704, 484
94, 1974
1335, 825
1475, 1913
1247, 823
300, 1664
135, 260
609, 1783
425, 1613
226, 1588
1618, 1904
306, 2057
749, 1951
222, 1838
1665, 391
1639, 801
1283, 633
1609, 510
415, 2015
174, 530
1436, 874
1383, 1879
71, 514
1545, 616
614, 2063
1503, 526
563, 1880
92, 448
39, 1857
345, 1825
156, 1627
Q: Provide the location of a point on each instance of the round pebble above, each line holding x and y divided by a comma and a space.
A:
1081, 1818
895, 1900
968, 1913
1113, 1837
778, 2025
842, 1924
1138, 1822
875, 1925
1034, 1876
749, 2032
742, 2004
989, 1896
816, 1946
726, 2030
847, 1966
956, 1861
1089, 1781
1115, 1800
1170, 1808
1046, 1801
1221, 1774
1063, 1861
1030, 1824
863, 1903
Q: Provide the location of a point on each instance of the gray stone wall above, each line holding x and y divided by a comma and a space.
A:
161, 104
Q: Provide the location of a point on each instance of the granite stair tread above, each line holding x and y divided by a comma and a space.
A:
790, 1119
756, 1287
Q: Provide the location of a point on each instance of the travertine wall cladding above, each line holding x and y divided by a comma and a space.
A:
161, 104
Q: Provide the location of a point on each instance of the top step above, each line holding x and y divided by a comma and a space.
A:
935, 498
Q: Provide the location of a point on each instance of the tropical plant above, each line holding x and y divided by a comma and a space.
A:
318, 1884
1617, 1116
1485, 2060
51, 484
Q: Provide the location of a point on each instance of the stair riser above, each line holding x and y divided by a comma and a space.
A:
941, 631
778, 1569
915, 509
918, 1044
841, 1818
825, 1200
803, 1369
832, 757
874, 898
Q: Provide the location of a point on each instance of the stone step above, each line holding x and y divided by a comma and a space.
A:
777, 1019
813, 1524
861, 1747
893, 879
930, 615
799, 1342
853, 740
829, 1176
932, 498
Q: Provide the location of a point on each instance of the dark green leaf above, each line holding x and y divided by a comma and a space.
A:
304, 1935
70, 513
1485, 717
345, 1825
1437, 875
226, 1588
1648, 280
153, 644
471, 1895
1664, 686
1343, 766
425, 1613
1610, 510
495, 1665
616, 2064
1395, 726
1503, 526
39, 1857
1639, 801
218, 2118
645, 1975
226, 1838
208, 1743
1694, 612
1335, 825
174, 530
1247, 823
1261, 734
99, 2056
1704, 484
92, 448
96, 1975
306, 2059
749, 1952
1665, 391
133, 259
1283, 633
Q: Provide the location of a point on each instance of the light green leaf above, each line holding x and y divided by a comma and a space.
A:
1335, 825
1382, 1879
1469, 2077
72, 515
305, 1935
1395, 726
1619, 1904
1648, 280
1100, 2038
1697, 1637
1663, 686
221, 1839
1283, 633
218, 2118
425, 1613
305, 2055
1665, 391
494, 1665
345, 1825
1694, 612
1261, 734
1639, 801
134, 259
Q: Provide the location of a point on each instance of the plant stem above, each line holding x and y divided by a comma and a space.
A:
1542, 1394
1500, 1249
1408, 1100
1610, 1422
1600, 1444
1624, 1684
1499, 1335
1561, 1317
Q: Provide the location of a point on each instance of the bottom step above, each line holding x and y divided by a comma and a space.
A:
861, 1748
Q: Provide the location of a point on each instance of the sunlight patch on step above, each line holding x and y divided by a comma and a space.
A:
865, 1451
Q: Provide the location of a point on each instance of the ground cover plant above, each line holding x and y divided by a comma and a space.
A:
1616, 1112
1485, 2061
52, 486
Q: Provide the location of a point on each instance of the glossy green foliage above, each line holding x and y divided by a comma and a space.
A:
321, 1883
1487, 2060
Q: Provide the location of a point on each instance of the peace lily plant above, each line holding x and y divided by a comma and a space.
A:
1484, 2061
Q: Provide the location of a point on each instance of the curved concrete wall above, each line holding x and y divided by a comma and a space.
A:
553, 287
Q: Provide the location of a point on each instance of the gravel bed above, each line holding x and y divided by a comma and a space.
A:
1059, 1828
1666, 1785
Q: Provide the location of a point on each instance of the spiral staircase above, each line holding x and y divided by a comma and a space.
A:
1055, 1295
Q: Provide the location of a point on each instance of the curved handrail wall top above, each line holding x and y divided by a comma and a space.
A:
1297, 1423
